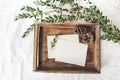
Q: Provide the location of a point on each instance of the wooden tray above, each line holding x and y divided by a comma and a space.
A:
41, 61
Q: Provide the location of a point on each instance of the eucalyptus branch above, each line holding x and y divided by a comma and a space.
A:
23, 16
46, 3
110, 30
54, 41
28, 30
94, 15
29, 12
75, 12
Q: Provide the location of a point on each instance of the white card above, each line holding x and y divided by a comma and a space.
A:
71, 52
51, 52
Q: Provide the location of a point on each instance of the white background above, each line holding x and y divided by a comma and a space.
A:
16, 54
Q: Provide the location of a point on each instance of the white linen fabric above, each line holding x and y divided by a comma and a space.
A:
16, 54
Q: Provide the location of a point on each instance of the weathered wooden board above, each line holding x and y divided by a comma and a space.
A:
40, 57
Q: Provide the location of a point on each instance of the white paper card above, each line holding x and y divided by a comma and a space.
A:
71, 52
51, 52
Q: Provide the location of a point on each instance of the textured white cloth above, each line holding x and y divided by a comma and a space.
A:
16, 54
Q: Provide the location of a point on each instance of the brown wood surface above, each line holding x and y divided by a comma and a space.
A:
41, 61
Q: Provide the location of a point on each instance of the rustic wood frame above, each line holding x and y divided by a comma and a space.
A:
36, 47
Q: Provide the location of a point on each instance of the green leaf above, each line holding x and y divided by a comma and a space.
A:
90, 2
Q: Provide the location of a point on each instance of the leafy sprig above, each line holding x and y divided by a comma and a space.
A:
54, 41
29, 29
30, 12
74, 12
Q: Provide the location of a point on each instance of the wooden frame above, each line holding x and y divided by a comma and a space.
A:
37, 61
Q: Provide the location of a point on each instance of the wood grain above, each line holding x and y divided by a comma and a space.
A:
41, 61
